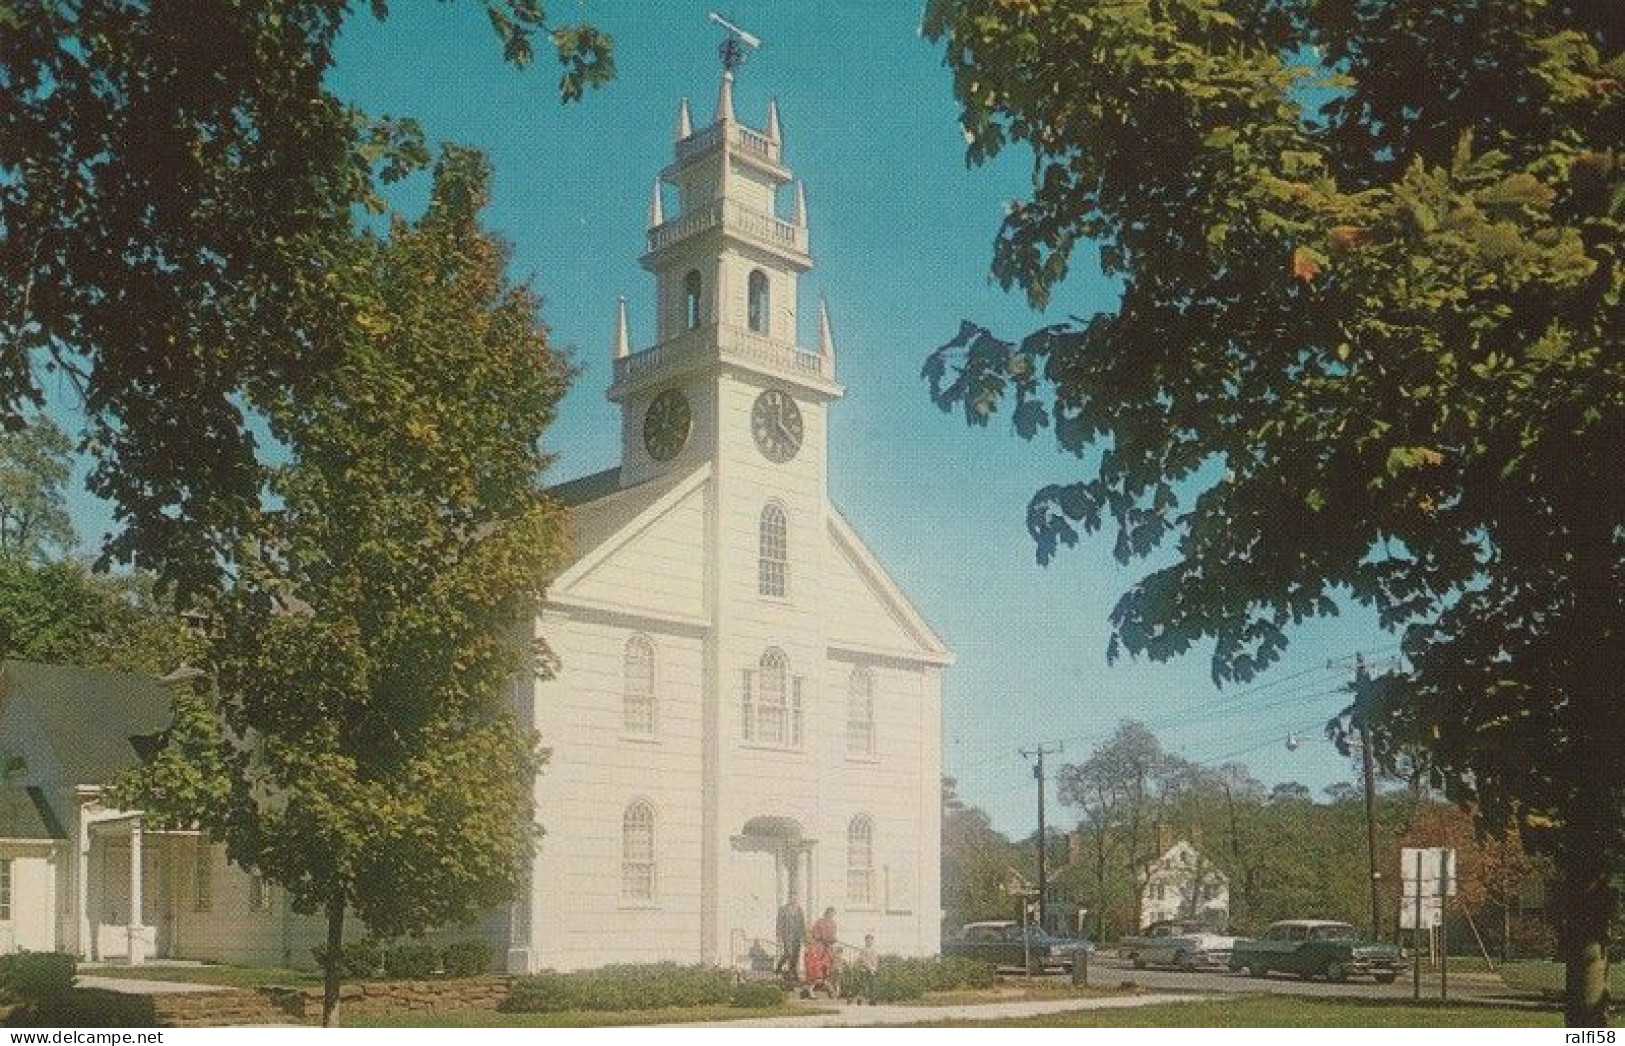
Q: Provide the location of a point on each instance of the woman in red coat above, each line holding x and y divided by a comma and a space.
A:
821, 967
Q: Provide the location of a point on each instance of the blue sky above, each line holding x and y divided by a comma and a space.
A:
902, 234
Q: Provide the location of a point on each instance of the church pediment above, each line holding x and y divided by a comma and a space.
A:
876, 617
634, 550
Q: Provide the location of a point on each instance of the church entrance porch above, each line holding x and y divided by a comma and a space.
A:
771, 862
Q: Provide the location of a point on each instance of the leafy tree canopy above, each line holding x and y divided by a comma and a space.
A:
360, 751
176, 189
35, 463
1369, 342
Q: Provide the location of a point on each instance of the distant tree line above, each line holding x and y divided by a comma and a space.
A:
1284, 852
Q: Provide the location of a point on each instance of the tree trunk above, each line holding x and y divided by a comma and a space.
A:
1588, 840
333, 962
1588, 911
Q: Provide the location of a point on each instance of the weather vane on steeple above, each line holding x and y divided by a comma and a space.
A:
733, 55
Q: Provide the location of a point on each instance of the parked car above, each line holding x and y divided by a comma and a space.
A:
1003, 943
1173, 942
1316, 948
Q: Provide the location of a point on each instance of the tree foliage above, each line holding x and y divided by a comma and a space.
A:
1369, 342
176, 185
35, 464
360, 750
977, 860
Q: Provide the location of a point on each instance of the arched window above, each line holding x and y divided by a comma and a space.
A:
773, 709
638, 704
773, 561
758, 301
638, 852
860, 860
691, 299
860, 713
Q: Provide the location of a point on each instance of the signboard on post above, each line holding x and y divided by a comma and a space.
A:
1427, 877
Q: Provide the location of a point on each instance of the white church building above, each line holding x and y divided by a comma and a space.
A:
747, 708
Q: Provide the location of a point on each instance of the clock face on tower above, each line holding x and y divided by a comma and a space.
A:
775, 421
666, 425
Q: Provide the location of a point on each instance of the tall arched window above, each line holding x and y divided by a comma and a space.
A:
772, 711
638, 852
691, 299
758, 301
638, 695
860, 860
860, 713
773, 560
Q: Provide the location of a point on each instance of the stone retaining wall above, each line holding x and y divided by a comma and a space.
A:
304, 1005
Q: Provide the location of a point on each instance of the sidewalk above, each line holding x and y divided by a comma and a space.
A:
849, 1015
139, 986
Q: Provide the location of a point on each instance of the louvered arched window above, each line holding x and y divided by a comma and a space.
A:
638, 694
691, 299
758, 301
638, 852
860, 860
860, 713
773, 559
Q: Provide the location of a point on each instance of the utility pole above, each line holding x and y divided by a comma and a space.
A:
1039, 753
1361, 679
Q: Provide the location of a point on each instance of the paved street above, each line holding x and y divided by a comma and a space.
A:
1106, 970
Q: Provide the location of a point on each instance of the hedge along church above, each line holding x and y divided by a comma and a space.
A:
748, 707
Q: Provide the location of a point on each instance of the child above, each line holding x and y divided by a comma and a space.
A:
868, 967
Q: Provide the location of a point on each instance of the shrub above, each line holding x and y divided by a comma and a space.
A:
469, 958
627, 987
358, 960
411, 960
962, 972
899, 979
36, 977
758, 995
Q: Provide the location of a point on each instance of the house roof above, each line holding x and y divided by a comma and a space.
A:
93, 721
25, 814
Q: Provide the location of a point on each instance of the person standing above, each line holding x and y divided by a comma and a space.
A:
868, 970
822, 969
792, 930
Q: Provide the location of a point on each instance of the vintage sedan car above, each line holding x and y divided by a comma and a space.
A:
1003, 944
1173, 942
1316, 948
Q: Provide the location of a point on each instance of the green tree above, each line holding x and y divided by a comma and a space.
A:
359, 750
1126, 789
179, 186
35, 463
1368, 344
61, 613
976, 863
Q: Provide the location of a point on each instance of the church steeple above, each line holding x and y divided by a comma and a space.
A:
726, 268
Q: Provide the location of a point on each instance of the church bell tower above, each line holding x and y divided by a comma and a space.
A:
726, 266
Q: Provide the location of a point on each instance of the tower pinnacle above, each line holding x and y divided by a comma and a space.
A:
773, 119
623, 340
657, 210
826, 340
685, 123
801, 205
725, 98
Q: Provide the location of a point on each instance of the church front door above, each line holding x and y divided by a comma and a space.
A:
771, 863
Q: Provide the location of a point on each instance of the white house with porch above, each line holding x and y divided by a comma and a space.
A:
81, 876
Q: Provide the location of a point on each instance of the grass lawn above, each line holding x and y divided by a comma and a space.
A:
223, 976
571, 1018
1285, 1011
